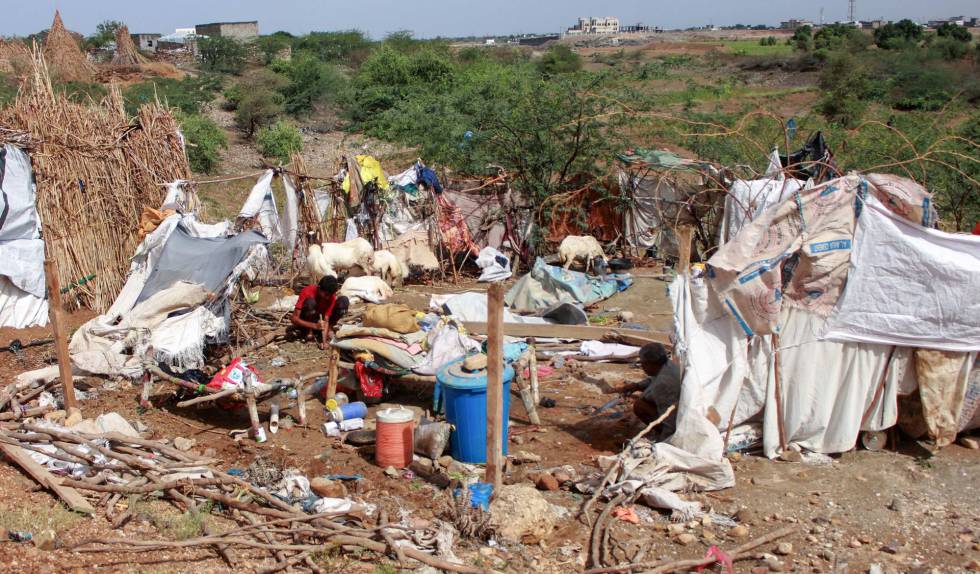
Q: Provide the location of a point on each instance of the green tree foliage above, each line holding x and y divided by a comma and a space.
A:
918, 86
802, 39
257, 100
898, 35
954, 32
205, 140
348, 47
949, 49
8, 90
307, 81
560, 59
768, 41
221, 54
188, 95
105, 33
272, 45
844, 84
279, 141
840, 36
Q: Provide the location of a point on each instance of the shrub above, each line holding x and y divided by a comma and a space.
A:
279, 141
560, 59
949, 49
954, 32
768, 41
802, 39
188, 95
8, 90
257, 100
270, 46
222, 54
845, 84
348, 47
841, 36
305, 81
898, 35
204, 141
918, 87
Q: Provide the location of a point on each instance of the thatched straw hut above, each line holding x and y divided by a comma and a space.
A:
126, 52
66, 60
95, 170
15, 58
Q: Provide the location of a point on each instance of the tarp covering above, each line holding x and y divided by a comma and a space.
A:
909, 285
261, 205
547, 284
22, 287
747, 199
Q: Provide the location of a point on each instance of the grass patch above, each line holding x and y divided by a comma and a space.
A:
45, 523
753, 48
189, 524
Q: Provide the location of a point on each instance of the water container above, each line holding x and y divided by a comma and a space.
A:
465, 397
394, 442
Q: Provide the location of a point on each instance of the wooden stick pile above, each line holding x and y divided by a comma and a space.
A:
126, 52
67, 60
115, 466
96, 170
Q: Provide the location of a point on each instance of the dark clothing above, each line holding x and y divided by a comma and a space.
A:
659, 393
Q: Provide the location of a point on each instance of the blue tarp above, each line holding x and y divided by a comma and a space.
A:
547, 284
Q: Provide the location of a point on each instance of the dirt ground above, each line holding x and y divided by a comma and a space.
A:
889, 508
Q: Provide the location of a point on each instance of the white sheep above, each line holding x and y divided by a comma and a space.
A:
368, 288
579, 247
389, 267
328, 258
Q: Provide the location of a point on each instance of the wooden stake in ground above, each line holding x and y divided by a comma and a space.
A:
684, 234
495, 384
332, 373
59, 326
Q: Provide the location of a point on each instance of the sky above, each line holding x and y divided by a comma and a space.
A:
430, 18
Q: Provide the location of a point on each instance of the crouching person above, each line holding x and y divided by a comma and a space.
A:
659, 390
318, 310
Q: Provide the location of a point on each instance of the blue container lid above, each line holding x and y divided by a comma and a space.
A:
453, 376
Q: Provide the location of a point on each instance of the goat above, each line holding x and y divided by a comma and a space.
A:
327, 258
389, 267
583, 247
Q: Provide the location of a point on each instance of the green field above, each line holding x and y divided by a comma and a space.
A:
753, 48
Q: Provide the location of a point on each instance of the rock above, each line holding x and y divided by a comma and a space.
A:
524, 457
969, 442
184, 444
826, 553
773, 563
706, 521
210, 452
546, 481
520, 513
685, 538
855, 543
864, 539
626, 316
392, 472
784, 548
476, 362
745, 516
709, 537
74, 417
897, 505
675, 528
562, 476
876, 569
141, 427
445, 461
790, 455
326, 488
486, 551
57, 417
519, 439
889, 548
740, 531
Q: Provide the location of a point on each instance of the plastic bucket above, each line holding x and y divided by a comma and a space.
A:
465, 398
395, 437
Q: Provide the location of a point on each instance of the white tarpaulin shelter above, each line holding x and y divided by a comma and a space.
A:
23, 300
909, 285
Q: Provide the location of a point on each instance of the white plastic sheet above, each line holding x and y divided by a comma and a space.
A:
495, 265
909, 285
746, 200
262, 205
22, 289
290, 215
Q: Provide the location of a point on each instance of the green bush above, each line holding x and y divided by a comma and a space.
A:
802, 39
839, 37
105, 33
270, 46
188, 95
279, 141
204, 141
307, 81
954, 32
768, 41
8, 90
222, 54
898, 35
348, 47
845, 85
918, 87
949, 49
560, 59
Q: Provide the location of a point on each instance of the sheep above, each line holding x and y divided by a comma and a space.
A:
368, 288
327, 258
580, 247
389, 267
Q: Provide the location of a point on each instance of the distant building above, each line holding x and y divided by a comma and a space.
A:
957, 20
146, 42
238, 30
793, 24
592, 25
490, 41
873, 24
639, 27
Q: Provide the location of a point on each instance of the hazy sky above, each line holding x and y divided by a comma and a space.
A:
429, 18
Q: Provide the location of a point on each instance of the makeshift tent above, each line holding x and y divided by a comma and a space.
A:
23, 302
748, 327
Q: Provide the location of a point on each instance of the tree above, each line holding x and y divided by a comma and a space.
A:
349, 47
222, 54
802, 39
257, 100
897, 35
204, 142
844, 84
560, 59
954, 32
105, 33
279, 141
840, 36
306, 81
272, 45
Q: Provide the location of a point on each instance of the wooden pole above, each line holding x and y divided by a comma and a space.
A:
332, 373
59, 326
533, 368
684, 234
778, 393
495, 385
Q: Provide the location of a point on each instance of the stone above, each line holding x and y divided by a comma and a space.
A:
477, 362
486, 551
706, 521
141, 427
562, 476
876, 569
519, 513
685, 538
57, 417
897, 505
969, 442
790, 455
675, 528
709, 537
745, 516
519, 439
326, 488
546, 481
626, 316
864, 539
445, 461
772, 563
826, 553
524, 457
855, 543
784, 548
740, 531
392, 472
210, 453
184, 444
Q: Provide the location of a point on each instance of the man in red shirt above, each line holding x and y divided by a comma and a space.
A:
318, 309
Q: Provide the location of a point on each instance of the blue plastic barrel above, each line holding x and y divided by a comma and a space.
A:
465, 397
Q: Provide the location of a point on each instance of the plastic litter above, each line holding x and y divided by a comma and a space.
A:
432, 439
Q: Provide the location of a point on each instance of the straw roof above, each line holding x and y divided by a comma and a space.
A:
126, 52
66, 60
15, 58
95, 170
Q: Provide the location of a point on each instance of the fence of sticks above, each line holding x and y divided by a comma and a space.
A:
96, 170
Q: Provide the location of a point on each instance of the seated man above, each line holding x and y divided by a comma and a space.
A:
318, 310
661, 388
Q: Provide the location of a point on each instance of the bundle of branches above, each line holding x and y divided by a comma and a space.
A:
126, 52
95, 171
68, 62
108, 467
15, 58
22, 399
